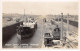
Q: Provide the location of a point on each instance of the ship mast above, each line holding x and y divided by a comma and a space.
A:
24, 12
24, 15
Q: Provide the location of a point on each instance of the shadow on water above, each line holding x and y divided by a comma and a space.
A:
8, 32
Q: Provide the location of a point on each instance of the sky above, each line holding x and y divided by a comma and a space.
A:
40, 8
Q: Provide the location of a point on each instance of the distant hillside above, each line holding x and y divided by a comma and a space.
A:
18, 15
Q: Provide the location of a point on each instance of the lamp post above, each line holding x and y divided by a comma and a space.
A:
67, 25
61, 35
61, 26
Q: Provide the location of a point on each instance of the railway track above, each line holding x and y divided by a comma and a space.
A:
70, 43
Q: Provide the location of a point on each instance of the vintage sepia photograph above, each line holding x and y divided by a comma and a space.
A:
40, 25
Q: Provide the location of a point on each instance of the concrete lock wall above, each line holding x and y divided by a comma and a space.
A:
73, 23
8, 32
